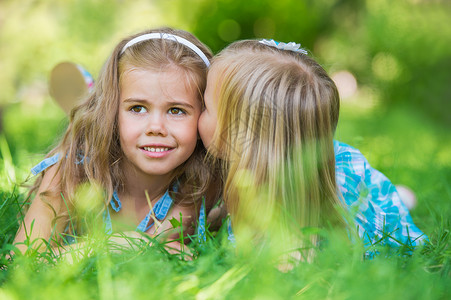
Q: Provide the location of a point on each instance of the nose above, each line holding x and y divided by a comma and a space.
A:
156, 125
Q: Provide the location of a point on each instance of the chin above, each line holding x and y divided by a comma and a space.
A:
158, 172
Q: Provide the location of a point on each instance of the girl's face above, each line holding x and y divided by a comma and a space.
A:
209, 117
158, 115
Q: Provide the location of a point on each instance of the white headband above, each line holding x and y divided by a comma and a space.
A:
167, 36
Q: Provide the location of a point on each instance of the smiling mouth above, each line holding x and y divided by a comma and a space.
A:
156, 149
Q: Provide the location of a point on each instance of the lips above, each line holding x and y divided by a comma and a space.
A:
156, 150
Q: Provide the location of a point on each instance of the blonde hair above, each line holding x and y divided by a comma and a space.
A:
93, 135
277, 113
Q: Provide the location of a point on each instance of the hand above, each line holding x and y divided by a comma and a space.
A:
176, 248
216, 216
128, 240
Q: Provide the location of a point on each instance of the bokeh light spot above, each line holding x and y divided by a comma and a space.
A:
229, 30
386, 67
346, 83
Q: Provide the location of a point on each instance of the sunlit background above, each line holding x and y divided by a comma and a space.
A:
391, 61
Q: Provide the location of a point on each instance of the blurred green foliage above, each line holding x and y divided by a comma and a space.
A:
9, 208
398, 49
218, 23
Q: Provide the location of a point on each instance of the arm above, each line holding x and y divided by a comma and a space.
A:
116, 243
44, 220
135, 240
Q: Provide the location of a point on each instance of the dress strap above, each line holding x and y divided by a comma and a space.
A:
49, 161
115, 203
160, 209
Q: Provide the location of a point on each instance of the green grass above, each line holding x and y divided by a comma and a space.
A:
407, 147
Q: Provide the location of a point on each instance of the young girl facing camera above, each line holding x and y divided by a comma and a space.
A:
270, 117
136, 137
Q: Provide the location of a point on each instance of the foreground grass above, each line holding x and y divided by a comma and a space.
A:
222, 272
406, 147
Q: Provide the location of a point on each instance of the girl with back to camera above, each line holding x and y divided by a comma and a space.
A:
270, 117
135, 134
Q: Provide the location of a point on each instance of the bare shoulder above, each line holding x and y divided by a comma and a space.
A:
51, 177
49, 192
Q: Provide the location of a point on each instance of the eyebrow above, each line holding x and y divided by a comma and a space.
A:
170, 103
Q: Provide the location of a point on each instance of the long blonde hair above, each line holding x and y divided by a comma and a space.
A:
277, 113
93, 135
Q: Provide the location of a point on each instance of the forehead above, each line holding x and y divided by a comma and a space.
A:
174, 74
141, 83
162, 70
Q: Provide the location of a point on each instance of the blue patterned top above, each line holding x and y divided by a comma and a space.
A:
160, 209
379, 214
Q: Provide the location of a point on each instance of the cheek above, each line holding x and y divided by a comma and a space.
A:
207, 127
188, 134
129, 130
200, 122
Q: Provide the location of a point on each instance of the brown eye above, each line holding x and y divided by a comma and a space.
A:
138, 109
176, 111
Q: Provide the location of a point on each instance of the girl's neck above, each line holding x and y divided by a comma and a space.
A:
135, 202
136, 185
